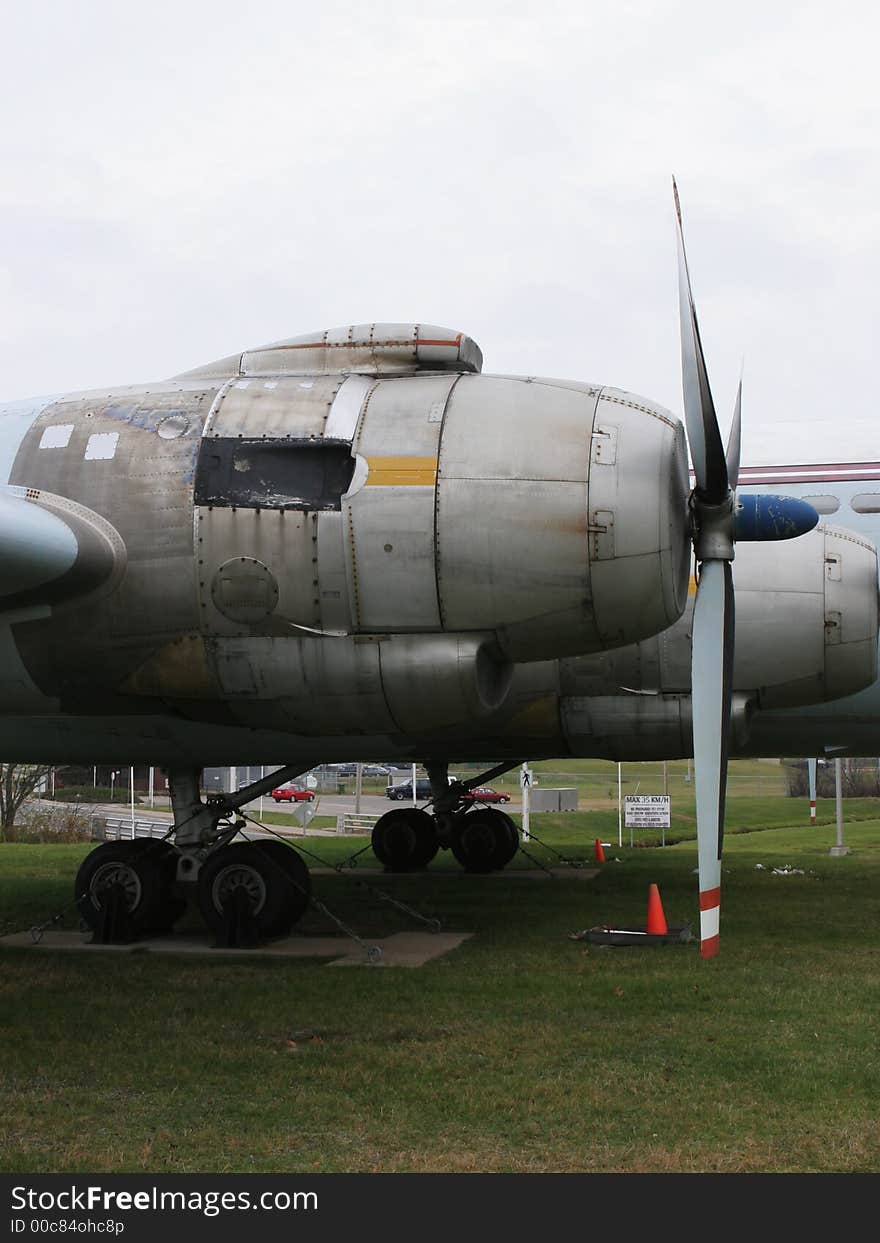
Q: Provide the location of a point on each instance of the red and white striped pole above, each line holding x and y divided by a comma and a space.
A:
811, 767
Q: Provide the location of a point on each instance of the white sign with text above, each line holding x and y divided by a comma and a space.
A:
646, 811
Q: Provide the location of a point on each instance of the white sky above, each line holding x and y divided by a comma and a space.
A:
183, 180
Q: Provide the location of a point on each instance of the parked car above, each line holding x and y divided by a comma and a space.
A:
292, 794
376, 770
483, 794
404, 789
400, 792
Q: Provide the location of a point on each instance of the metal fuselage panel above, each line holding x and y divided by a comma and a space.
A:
130, 457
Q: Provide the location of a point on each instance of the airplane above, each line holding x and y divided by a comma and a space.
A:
354, 542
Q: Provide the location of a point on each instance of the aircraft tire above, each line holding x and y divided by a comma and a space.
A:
482, 840
513, 840
145, 868
249, 867
295, 867
405, 840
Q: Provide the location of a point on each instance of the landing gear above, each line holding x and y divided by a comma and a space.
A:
405, 839
253, 883
246, 892
485, 840
129, 884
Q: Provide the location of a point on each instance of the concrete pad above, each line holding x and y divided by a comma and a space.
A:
554, 873
406, 949
401, 949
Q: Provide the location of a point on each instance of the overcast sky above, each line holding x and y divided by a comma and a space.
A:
183, 180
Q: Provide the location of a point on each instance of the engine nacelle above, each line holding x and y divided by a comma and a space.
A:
642, 727
806, 629
548, 513
394, 685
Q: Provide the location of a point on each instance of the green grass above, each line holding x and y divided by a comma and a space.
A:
523, 1050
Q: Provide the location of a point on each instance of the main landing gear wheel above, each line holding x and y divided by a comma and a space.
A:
484, 840
254, 874
405, 839
295, 867
145, 871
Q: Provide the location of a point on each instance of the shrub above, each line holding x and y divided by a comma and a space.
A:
94, 794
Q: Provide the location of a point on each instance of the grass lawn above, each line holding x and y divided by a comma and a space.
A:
523, 1050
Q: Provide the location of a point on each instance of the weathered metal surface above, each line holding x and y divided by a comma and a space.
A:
378, 348
144, 492
390, 533
308, 554
792, 646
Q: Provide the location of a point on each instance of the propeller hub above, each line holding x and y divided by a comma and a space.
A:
713, 528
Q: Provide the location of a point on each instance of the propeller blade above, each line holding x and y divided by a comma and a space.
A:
704, 437
711, 674
733, 440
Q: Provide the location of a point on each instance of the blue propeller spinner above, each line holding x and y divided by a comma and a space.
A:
718, 520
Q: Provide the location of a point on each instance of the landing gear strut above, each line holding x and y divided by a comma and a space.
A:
246, 892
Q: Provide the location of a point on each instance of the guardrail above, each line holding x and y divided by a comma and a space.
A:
348, 822
120, 828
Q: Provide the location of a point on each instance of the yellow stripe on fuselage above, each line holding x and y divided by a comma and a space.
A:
402, 472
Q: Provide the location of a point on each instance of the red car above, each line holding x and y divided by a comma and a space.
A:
290, 794
482, 794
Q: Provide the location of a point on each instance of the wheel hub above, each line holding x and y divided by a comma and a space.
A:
239, 877
112, 873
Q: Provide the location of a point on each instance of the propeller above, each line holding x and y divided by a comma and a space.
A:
713, 519
718, 519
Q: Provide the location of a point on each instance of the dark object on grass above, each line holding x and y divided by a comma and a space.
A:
114, 925
239, 928
677, 934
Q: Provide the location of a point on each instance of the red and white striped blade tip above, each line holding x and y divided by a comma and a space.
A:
710, 915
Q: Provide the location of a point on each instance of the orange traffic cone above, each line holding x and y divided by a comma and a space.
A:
656, 918
598, 852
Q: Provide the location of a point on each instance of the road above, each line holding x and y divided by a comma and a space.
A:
325, 805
